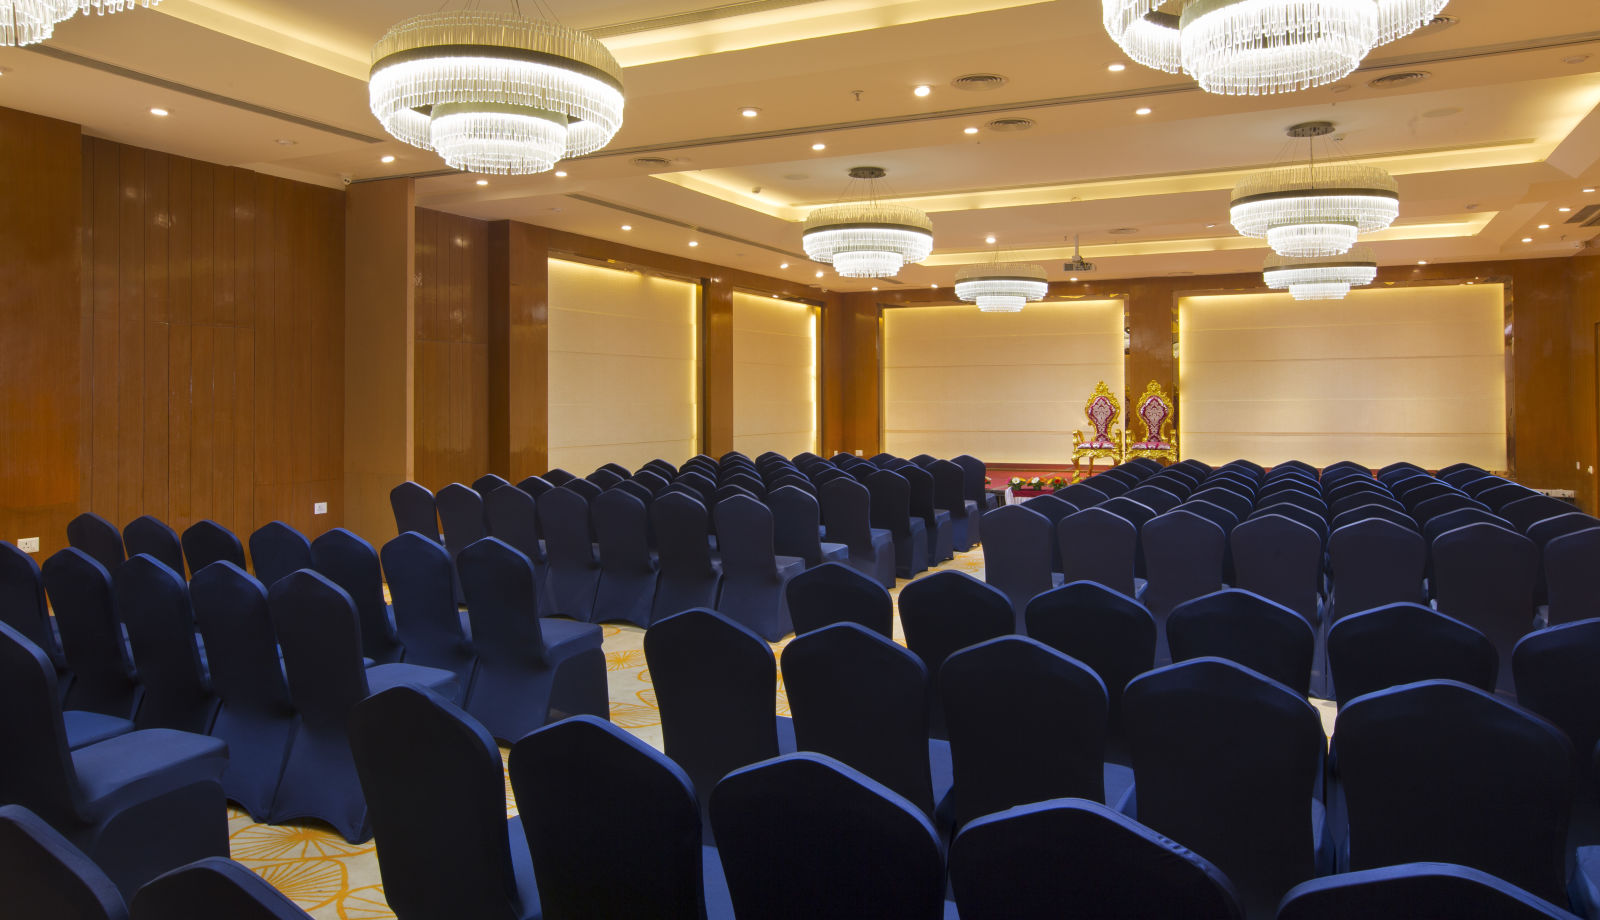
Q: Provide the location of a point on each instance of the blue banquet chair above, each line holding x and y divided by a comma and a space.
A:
1183, 559
276, 549
98, 537
689, 577
797, 522
24, 609
153, 602
44, 875
1485, 578
415, 510
351, 563
628, 574
569, 545
753, 575
152, 537
846, 514
1100, 546
944, 613
836, 593
205, 542
1016, 555
1280, 559
1111, 633
103, 678
890, 495
1247, 629
427, 621
1403, 643
1375, 562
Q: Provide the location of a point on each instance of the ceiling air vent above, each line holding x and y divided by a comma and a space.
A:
1010, 124
1585, 214
1436, 24
1396, 80
651, 162
979, 82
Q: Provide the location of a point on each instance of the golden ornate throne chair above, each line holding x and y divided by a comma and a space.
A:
1102, 410
1154, 409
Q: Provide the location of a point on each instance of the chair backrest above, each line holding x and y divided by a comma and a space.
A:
351, 563
637, 489
949, 488
1110, 632
153, 602
858, 696
513, 518
320, 634
946, 611
846, 510
744, 535
1433, 528
890, 501
557, 477
230, 609
564, 522
869, 853
1439, 771
152, 537
1444, 503
651, 480
681, 525
1556, 677
796, 515
1155, 495
488, 482
1247, 629
1026, 724
1572, 575
461, 516
36, 771
22, 600
414, 510
1397, 891
1054, 508
1542, 532
445, 852
1375, 562
1032, 860
91, 635
598, 798
622, 530
1096, 544
44, 875
1227, 761
535, 486
206, 541
1183, 555
1525, 512
98, 537
213, 887
1485, 577
1403, 643
836, 593
1016, 553
1081, 495
425, 613
276, 549
502, 602
973, 477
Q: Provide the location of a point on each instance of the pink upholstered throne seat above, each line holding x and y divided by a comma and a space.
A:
1154, 410
1102, 411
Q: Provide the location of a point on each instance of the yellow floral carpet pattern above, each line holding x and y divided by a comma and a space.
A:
334, 880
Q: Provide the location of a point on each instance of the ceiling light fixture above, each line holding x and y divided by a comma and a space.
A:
1544, 226
922, 89
1321, 279
483, 181
1117, 67
693, 243
560, 174
1564, 210
1001, 287
867, 239
627, 226
1314, 210
749, 111
388, 158
493, 92
819, 146
1527, 239
1588, 191
1256, 47
783, 265
159, 112
973, 130
27, 22
1142, 110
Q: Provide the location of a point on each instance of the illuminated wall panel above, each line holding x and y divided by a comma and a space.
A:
774, 375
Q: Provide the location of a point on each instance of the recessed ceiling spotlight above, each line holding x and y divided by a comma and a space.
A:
1588, 191
1142, 110
483, 181
163, 113
922, 89
1117, 67
972, 130
693, 243
989, 239
1422, 261
627, 226
561, 174
934, 286
1527, 239
1073, 278
819, 146
1211, 226
1564, 210
874, 289
1544, 226
819, 274
783, 265
386, 159
749, 111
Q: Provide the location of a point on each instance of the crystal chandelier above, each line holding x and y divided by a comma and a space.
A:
1255, 47
1317, 209
1001, 287
1328, 278
494, 92
866, 239
26, 22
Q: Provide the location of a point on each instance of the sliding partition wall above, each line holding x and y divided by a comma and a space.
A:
1006, 387
624, 368
774, 375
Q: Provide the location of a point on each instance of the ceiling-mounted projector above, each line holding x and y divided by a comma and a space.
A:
1077, 264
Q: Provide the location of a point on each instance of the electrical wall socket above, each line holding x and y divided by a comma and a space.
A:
319, 508
860, 453
28, 544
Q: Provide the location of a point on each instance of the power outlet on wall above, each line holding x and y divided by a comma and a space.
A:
28, 544
319, 508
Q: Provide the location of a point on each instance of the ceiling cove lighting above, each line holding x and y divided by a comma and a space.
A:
495, 93
1327, 278
1317, 209
1257, 47
1001, 287
866, 239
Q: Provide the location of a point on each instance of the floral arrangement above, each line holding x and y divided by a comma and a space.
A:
1038, 483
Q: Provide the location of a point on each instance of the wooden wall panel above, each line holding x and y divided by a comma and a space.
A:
1584, 315
716, 366
452, 349
519, 350
215, 342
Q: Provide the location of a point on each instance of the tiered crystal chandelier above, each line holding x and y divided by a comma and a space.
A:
1328, 278
867, 239
1255, 47
1314, 210
494, 92
1001, 287
26, 22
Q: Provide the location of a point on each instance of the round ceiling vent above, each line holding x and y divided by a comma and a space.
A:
1402, 78
651, 162
979, 82
1010, 124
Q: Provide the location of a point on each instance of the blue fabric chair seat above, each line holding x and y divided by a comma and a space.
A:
85, 728
126, 770
383, 676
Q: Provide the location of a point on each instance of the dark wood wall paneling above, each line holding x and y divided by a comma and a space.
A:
214, 301
1583, 332
452, 349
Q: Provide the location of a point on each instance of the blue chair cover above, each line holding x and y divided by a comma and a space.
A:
434, 631
943, 613
276, 549
137, 804
605, 799
890, 504
753, 575
651, 480
1026, 723
535, 486
949, 492
1183, 557
152, 537
461, 517
1542, 532
1100, 546
513, 518
213, 887
796, 522
103, 679
716, 685
568, 543
1416, 890
205, 542
1042, 859
1016, 555
846, 512
320, 634
688, 577
437, 798
488, 482
530, 670
1485, 578
23, 607
1247, 629
937, 522
1375, 562
256, 718
1159, 496
836, 593
868, 853
1226, 763
1110, 632
1572, 575
974, 487
414, 510
44, 875
583, 487
1404, 643
861, 698
1085, 494
98, 537
557, 477
628, 574
351, 563
153, 602
1557, 678
1439, 771
604, 478
1054, 508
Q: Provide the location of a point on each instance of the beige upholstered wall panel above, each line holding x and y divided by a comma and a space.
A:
1388, 374
774, 375
623, 367
1004, 387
